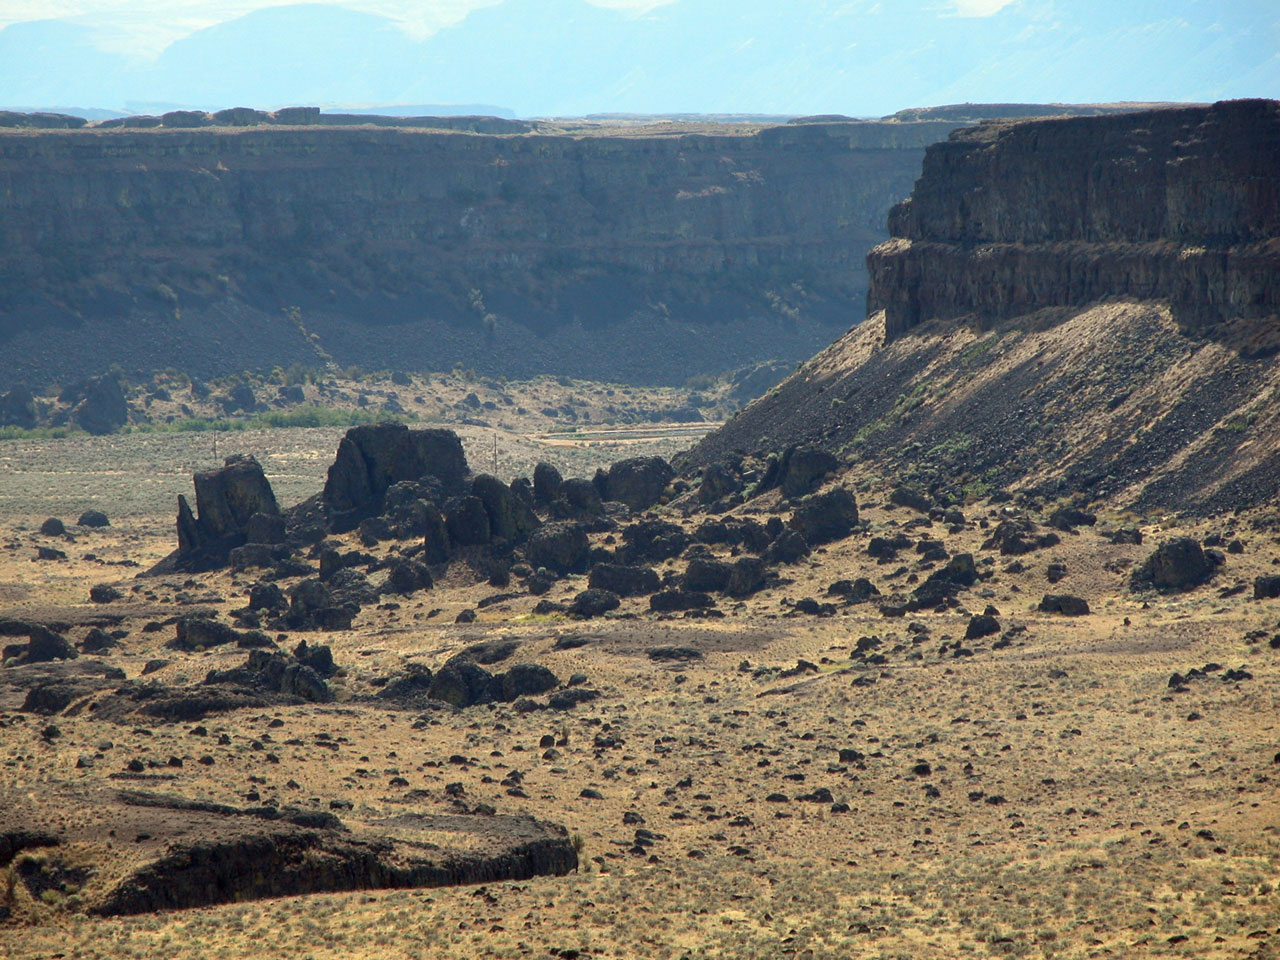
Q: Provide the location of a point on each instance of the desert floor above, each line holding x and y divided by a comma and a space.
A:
1052, 797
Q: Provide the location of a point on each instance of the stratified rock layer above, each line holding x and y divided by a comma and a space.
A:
1078, 306
1181, 206
219, 249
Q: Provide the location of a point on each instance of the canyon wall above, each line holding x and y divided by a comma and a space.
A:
1177, 205
1068, 308
620, 254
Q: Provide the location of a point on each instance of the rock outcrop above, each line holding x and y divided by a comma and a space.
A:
1179, 205
227, 501
191, 853
373, 458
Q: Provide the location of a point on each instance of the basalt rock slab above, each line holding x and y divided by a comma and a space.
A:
186, 853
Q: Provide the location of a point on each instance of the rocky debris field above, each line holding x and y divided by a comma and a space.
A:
731, 697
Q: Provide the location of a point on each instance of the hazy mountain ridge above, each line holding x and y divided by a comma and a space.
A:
570, 58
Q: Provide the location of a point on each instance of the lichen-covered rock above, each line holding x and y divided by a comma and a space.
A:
1179, 564
825, 517
560, 547
638, 482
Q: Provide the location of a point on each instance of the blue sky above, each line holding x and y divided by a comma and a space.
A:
571, 57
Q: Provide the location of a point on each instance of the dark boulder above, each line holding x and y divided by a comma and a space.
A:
53, 527
462, 684
467, 522
265, 528
240, 398
510, 518
624, 580
1179, 564
825, 517
312, 606
854, 591
526, 680
97, 641
594, 603
266, 596
300, 680
577, 499
706, 576
981, 625
789, 547
18, 408
670, 601
226, 499
560, 547
799, 470
407, 577
734, 531
1018, 536
1266, 587
746, 576
1064, 603
104, 593
638, 482
350, 585
372, 458
257, 555
93, 518
651, 541
719, 480
1130, 535
546, 483
435, 541
201, 633
1068, 518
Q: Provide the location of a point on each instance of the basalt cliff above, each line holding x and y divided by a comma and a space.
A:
648, 253
1083, 307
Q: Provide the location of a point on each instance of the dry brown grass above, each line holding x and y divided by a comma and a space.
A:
1125, 828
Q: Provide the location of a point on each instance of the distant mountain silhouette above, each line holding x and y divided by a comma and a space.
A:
567, 57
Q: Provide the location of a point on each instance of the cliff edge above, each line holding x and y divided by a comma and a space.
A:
1084, 307
640, 253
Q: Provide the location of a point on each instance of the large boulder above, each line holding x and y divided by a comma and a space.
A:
435, 542
577, 499
799, 470
467, 522
226, 500
623, 579
719, 480
100, 406
746, 576
371, 458
510, 518
651, 541
825, 517
462, 683
546, 483
706, 576
1178, 564
638, 482
594, 603
560, 547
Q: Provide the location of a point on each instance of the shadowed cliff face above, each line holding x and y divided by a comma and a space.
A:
1178, 205
1086, 306
407, 247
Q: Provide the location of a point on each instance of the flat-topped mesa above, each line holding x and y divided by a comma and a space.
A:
224, 248
1179, 205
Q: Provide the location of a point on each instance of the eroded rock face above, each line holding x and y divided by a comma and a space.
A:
1175, 204
227, 500
192, 853
373, 457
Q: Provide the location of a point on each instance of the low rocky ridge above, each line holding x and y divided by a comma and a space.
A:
1122, 352
186, 853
